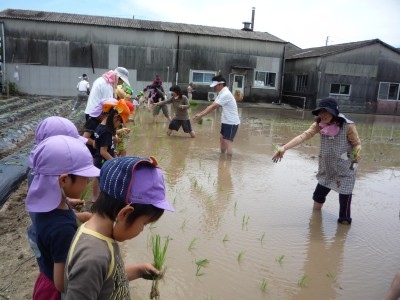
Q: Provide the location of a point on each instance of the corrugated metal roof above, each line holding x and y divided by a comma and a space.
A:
332, 49
53, 17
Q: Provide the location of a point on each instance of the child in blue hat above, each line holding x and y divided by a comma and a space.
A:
132, 196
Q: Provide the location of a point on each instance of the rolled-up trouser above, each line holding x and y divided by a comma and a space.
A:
82, 96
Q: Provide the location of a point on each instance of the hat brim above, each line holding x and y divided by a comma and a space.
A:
316, 111
215, 83
164, 205
88, 172
82, 139
124, 78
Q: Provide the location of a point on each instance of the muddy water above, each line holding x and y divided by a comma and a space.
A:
253, 220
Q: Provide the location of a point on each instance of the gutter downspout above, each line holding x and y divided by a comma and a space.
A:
282, 75
177, 60
3, 60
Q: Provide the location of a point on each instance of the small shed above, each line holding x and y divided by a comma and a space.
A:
363, 76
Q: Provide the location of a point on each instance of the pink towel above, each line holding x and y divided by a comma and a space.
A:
109, 77
329, 129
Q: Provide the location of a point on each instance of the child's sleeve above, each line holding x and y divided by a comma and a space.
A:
353, 138
310, 132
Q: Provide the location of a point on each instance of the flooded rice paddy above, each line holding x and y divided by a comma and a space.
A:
253, 220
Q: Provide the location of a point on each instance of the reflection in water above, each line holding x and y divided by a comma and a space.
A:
217, 199
323, 262
177, 159
212, 197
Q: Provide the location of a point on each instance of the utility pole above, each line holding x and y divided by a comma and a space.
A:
327, 40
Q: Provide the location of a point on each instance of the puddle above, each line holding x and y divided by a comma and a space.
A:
253, 219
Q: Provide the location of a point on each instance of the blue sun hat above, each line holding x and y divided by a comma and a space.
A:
134, 180
330, 105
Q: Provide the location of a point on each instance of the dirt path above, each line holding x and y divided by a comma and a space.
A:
18, 266
18, 119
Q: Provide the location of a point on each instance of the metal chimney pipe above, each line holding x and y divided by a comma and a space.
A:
252, 17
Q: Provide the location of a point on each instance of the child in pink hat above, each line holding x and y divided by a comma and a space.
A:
63, 166
48, 127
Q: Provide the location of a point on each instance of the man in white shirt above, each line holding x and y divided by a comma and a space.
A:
83, 88
105, 87
230, 117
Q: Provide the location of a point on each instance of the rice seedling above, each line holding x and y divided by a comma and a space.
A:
279, 259
245, 221
159, 255
192, 244
240, 256
276, 147
303, 281
353, 157
208, 119
152, 226
202, 263
262, 237
193, 103
200, 121
264, 285
195, 183
226, 238
331, 275
85, 194
218, 222
183, 224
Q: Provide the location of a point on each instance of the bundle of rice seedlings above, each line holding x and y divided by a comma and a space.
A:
159, 254
354, 155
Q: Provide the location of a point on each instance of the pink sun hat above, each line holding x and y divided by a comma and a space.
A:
52, 126
54, 156
104, 106
55, 125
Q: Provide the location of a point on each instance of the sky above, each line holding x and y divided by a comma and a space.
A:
304, 23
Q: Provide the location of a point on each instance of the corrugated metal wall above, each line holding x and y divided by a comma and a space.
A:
59, 53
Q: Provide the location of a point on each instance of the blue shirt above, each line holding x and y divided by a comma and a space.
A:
54, 233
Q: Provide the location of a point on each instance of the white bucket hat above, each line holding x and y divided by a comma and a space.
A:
123, 74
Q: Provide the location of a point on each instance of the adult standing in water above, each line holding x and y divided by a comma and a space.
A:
340, 149
230, 117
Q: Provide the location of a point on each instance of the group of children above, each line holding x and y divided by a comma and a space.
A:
86, 263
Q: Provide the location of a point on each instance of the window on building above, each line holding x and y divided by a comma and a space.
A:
265, 79
201, 77
340, 89
301, 83
389, 91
